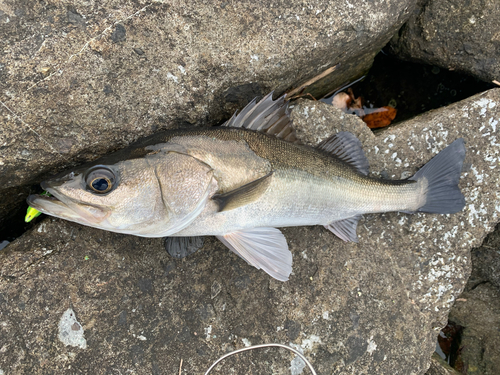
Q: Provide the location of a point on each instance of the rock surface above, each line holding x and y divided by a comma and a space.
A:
486, 261
478, 311
369, 308
440, 367
458, 35
78, 79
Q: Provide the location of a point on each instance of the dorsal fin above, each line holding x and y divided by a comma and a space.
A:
347, 148
267, 116
244, 194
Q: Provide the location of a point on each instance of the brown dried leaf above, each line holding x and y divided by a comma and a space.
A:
381, 118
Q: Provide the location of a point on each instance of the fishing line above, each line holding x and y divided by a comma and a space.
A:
263, 346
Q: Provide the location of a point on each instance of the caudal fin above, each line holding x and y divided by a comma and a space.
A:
443, 174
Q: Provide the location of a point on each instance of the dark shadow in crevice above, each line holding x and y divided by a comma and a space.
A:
414, 88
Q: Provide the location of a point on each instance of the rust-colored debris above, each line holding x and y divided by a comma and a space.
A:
373, 117
381, 118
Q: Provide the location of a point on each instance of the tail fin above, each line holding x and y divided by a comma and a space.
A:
443, 174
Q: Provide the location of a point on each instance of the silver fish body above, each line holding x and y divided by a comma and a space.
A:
307, 187
239, 184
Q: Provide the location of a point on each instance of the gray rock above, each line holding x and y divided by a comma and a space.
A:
477, 311
369, 308
486, 262
440, 367
79, 79
460, 35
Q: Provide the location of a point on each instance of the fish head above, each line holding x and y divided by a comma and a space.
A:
132, 196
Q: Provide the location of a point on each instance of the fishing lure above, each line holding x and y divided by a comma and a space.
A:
31, 213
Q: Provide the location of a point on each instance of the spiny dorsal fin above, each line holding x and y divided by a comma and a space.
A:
347, 148
345, 229
264, 248
244, 194
267, 116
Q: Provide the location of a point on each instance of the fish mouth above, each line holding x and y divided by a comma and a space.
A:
61, 206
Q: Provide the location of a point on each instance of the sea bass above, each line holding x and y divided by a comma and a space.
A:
240, 182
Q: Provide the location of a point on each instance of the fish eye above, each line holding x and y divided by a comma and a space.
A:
100, 179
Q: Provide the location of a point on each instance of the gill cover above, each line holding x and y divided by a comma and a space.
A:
186, 185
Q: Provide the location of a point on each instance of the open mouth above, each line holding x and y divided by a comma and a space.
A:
63, 207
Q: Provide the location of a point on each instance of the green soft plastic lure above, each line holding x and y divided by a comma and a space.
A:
31, 213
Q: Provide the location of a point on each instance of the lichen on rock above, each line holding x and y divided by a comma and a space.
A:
71, 331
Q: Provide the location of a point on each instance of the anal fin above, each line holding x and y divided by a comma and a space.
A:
244, 194
345, 229
263, 248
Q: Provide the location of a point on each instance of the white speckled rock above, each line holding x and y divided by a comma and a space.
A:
438, 245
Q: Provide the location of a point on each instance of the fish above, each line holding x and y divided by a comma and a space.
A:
240, 182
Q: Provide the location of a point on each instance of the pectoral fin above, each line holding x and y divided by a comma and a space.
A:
264, 248
345, 229
244, 194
